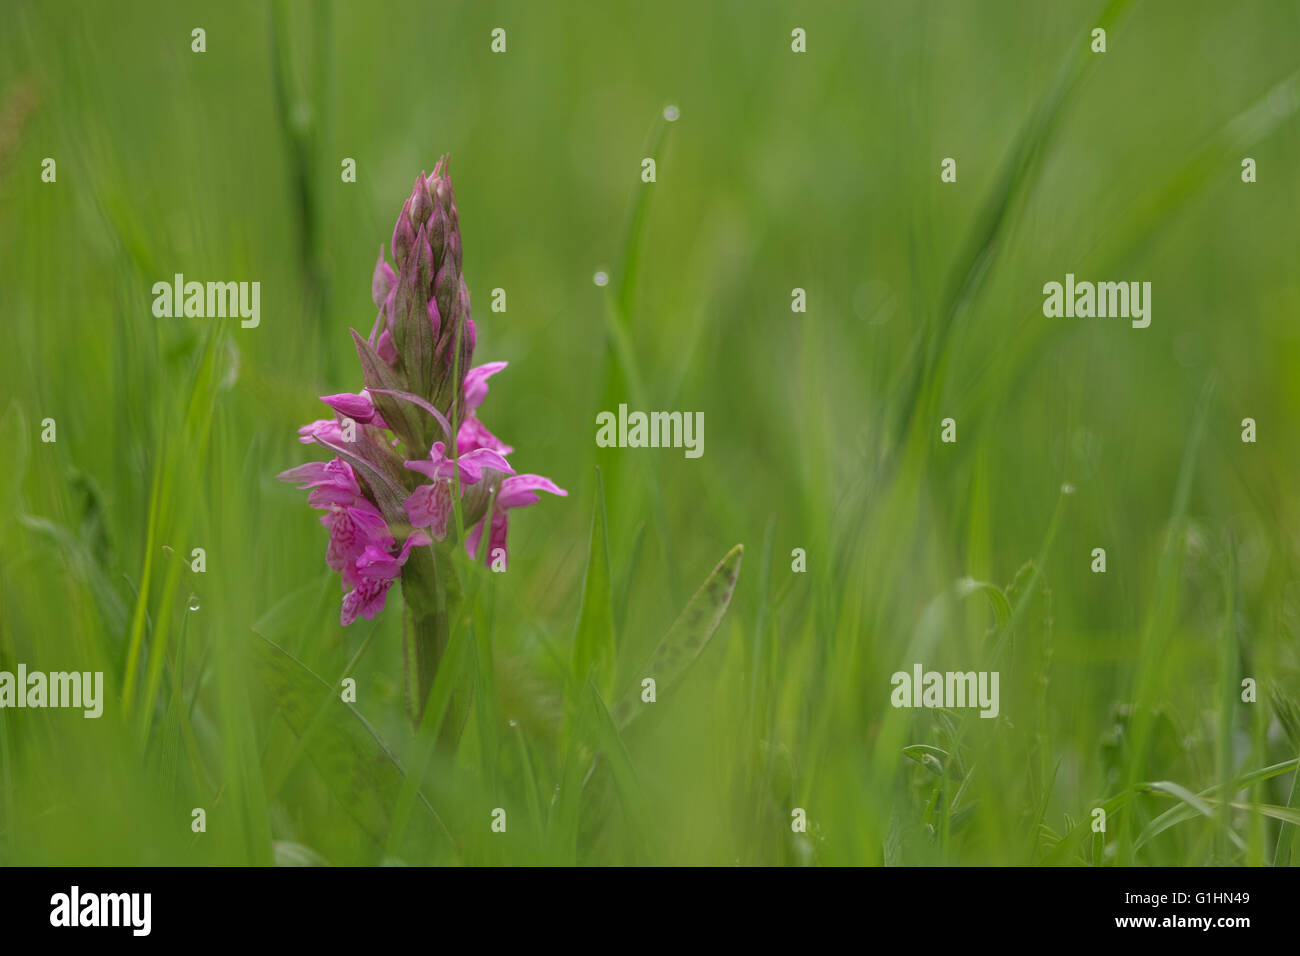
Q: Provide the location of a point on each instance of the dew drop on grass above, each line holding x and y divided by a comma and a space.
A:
671, 114
1067, 489
193, 602
513, 723
601, 278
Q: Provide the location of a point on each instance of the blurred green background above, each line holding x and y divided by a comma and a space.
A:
818, 171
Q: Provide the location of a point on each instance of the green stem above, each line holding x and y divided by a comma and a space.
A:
1286, 832
430, 592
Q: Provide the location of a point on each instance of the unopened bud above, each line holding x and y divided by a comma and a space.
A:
403, 236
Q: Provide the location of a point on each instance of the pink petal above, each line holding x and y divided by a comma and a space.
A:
472, 540
376, 564
326, 428
385, 348
352, 530
357, 407
473, 435
476, 388
521, 490
305, 476
434, 470
416, 539
332, 482
473, 463
429, 507
383, 280
365, 600
497, 537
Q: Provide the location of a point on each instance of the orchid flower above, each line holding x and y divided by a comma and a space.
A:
372, 574
332, 482
391, 478
429, 506
472, 434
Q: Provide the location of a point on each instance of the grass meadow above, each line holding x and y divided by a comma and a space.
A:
869, 544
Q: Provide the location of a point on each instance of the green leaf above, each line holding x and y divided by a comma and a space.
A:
434, 712
1192, 805
593, 645
1182, 793
987, 238
1285, 814
1285, 835
301, 606
83, 564
605, 734
359, 770
636, 231
562, 827
623, 375
1188, 809
1185, 811
380, 379
389, 494
688, 635
295, 854
933, 759
1203, 805
623, 592
14, 441
1001, 606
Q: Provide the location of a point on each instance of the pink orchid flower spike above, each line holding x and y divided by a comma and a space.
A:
397, 471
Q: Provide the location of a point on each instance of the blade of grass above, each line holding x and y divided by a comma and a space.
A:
354, 762
594, 640
688, 635
454, 663
1017, 176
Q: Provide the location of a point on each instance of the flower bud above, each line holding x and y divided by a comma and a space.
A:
403, 235
438, 232
421, 202
435, 319
358, 407
383, 280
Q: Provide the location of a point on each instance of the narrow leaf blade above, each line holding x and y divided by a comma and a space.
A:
360, 771
593, 645
689, 634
